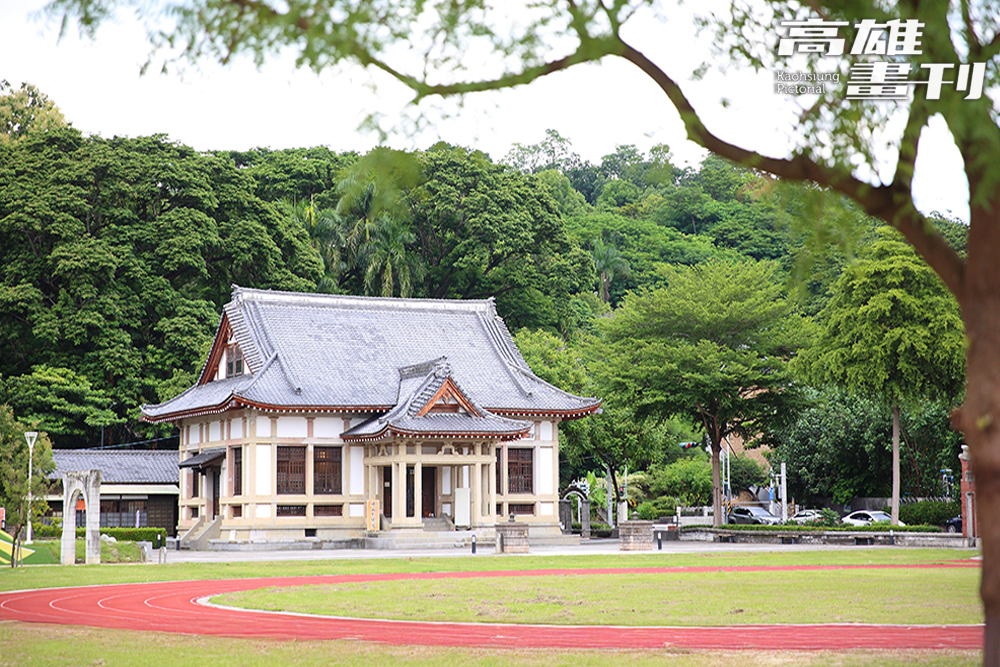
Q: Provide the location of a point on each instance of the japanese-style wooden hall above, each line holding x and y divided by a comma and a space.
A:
311, 405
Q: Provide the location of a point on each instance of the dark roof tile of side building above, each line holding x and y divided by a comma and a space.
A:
119, 466
319, 351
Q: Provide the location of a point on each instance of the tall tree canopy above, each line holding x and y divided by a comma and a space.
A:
117, 255
712, 345
891, 332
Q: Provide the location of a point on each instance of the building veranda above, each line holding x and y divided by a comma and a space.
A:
327, 416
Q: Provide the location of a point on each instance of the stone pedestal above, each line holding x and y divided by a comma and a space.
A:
635, 536
512, 538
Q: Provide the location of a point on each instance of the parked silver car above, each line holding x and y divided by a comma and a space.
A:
757, 515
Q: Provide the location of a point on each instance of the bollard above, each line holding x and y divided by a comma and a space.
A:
892, 538
163, 555
473, 544
659, 540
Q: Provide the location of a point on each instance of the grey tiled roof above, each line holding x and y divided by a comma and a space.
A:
119, 467
199, 461
313, 351
417, 386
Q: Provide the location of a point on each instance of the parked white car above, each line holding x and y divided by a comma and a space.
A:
866, 518
806, 516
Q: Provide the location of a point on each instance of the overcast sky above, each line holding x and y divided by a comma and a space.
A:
98, 87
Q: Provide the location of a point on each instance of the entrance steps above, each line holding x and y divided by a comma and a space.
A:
202, 533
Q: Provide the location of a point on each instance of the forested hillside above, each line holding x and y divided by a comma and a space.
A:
118, 254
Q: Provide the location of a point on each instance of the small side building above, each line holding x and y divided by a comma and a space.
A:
136, 486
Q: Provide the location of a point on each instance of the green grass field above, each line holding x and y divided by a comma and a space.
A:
718, 598
909, 596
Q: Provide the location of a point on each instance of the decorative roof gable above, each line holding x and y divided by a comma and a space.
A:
431, 404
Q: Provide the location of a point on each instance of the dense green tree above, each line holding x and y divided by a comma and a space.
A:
61, 402
26, 109
483, 229
117, 255
840, 448
688, 479
296, 175
891, 331
569, 200
713, 345
612, 440
618, 194
22, 503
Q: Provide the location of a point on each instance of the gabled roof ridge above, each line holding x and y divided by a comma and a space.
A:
247, 294
507, 361
259, 376
528, 373
263, 345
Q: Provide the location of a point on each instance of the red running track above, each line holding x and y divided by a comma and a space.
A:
182, 607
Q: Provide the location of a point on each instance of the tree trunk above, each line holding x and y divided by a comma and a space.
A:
895, 464
979, 417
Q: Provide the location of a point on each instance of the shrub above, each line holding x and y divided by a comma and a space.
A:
928, 512
687, 479
158, 536
49, 530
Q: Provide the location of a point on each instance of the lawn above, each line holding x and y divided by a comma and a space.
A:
901, 596
948, 595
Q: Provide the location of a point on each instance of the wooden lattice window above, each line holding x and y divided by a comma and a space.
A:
499, 485
291, 510
520, 470
291, 470
328, 510
522, 508
327, 470
234, 361
237, 471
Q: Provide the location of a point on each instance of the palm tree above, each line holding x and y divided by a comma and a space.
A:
386, 260
326, 233
609, 264
358, 208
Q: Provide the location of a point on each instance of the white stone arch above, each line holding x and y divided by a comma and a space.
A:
84, 484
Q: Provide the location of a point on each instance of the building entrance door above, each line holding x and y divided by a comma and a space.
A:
429, 491
387, 491
215, 492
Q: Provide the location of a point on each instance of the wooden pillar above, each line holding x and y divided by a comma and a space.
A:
477, 487
418, 491
371, 476
492, 483
398, 492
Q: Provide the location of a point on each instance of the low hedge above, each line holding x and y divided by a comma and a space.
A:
928, 512
875, 527
158, 536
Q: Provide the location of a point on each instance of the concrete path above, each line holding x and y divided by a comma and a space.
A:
586, 548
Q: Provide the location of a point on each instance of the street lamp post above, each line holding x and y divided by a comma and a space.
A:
30, 436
